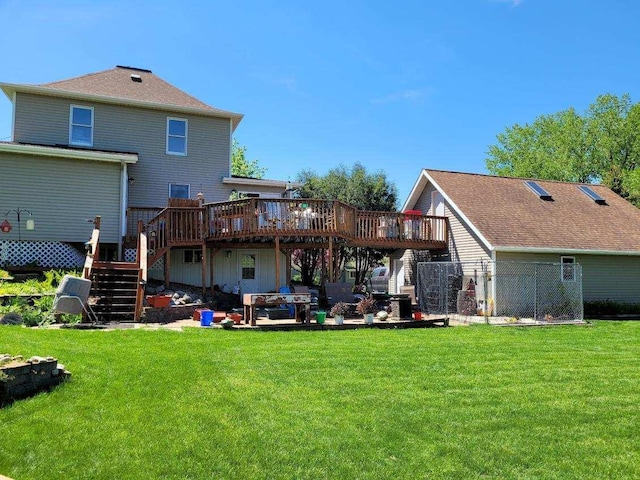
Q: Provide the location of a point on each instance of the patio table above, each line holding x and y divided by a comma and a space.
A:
251, 301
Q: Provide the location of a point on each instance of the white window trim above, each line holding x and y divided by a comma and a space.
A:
71, 142
573, 268
186, 136
188, 185
434, 197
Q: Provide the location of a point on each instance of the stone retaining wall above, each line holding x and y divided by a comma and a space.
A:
20, 379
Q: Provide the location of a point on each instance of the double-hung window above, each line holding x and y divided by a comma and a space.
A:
177, 129
81, 126
568, 272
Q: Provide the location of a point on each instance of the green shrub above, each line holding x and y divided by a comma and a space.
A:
36, 311
48, 284
597, 308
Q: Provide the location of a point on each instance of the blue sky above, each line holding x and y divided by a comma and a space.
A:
397, 86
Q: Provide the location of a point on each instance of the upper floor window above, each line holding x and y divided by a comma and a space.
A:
177, 129
568, 265
81, 126
179, 190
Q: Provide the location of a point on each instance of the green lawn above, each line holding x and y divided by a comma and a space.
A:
464, 402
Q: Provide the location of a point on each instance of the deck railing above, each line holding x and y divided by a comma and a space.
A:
136, 214
259, 217
284, 217
176, 226
394, 227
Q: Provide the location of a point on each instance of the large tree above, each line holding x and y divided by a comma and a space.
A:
359, 188
242, 167
600, 145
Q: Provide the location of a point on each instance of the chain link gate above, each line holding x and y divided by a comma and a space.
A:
539, 292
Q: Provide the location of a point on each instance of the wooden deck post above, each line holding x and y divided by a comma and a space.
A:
212, 253
330, 259
287, 267
167, 268
204, 270
277, 251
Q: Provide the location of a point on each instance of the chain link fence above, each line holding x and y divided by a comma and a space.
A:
501, 291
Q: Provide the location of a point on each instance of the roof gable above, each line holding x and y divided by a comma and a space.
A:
511, 216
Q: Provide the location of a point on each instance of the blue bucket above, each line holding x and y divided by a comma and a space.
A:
206, 317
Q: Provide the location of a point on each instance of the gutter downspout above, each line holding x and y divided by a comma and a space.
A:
124, 179
493, 281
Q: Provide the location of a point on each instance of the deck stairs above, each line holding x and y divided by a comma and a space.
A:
117, 288
114, 290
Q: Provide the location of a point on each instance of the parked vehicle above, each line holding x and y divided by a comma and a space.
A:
380, 280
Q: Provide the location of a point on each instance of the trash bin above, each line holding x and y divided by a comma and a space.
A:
206, 317
400, 306
321, 317
412, 224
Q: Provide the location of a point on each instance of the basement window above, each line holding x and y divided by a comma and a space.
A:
568, 269
192, 256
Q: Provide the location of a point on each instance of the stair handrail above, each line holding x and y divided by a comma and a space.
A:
141, 261
92, 247
157, 237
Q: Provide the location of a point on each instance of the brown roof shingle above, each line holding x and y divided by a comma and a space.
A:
117, 83
509, 214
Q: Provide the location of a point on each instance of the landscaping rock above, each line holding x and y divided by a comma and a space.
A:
11, 318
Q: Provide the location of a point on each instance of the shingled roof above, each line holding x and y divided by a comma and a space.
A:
128, 85
510, 216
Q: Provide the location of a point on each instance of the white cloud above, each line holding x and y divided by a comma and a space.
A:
512, 3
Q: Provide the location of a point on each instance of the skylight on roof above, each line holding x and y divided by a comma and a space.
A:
592, 195
538, 190
136, 78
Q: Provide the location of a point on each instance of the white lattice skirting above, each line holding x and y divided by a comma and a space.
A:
130, 256
42, 254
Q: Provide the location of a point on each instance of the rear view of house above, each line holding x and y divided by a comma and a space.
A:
128, 147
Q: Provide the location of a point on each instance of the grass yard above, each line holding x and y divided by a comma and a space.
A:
464, 402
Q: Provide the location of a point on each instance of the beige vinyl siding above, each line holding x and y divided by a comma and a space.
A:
604, 277
464, 244
45, 120
225, 269
62, 194
41, 120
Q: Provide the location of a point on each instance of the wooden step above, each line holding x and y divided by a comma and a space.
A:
114, 290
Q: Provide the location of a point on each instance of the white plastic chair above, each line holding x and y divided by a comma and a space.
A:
71, 297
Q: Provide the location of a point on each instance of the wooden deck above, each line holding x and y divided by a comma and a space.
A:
301, 223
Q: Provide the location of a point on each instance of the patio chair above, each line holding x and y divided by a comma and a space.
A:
71, 297
313, 292
339, 292
289, 306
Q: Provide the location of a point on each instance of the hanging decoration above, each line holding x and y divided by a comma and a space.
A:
5, 226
